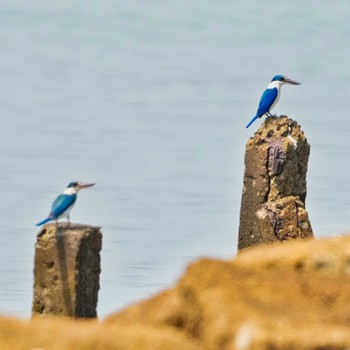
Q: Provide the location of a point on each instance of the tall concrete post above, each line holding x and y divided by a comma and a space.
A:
67, 270
274, 186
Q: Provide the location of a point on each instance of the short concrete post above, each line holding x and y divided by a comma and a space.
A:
274, 189
67, 270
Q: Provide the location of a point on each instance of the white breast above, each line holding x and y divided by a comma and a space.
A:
275, 84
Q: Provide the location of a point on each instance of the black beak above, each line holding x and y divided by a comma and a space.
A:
85, 184
291, 81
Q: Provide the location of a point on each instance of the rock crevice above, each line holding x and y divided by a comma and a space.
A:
67, 270
274, 189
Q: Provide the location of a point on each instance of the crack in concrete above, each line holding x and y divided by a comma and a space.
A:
276, 156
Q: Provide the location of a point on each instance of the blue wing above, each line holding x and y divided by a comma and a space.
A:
61, 204
266, 101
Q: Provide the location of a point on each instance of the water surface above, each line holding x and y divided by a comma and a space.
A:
150, 99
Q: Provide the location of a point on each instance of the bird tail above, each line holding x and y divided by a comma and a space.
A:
43, 222
252, 121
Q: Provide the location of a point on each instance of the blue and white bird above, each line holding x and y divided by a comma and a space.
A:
64, 203
271, 96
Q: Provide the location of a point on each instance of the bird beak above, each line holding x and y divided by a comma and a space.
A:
85, 184
290, 81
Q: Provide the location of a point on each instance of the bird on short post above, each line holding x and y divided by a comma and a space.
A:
271, 96
64, 203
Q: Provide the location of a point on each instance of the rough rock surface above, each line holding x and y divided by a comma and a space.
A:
280, 297
58, 333
274, 188
290, 296
67, 269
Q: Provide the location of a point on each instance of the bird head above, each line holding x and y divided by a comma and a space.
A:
284, 80
76, 186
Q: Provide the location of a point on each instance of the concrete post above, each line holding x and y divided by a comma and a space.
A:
67, 270
274, 189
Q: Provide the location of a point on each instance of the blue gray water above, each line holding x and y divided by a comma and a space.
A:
150, 99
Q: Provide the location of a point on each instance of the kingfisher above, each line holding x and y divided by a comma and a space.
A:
271, 96
64, 203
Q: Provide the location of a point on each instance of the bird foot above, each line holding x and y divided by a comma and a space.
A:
272, 115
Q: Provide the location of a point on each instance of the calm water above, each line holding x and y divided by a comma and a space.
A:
150, 99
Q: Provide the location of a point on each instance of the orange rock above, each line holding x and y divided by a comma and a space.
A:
288, 296
57, 333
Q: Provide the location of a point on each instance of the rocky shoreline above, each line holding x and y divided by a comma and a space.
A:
284, 290
283, 296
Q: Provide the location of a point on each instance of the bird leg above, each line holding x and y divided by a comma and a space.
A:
271, 115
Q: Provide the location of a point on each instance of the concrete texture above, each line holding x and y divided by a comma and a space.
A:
274, 186
281, 297
67, 269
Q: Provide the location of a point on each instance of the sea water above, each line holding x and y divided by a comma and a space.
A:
150, 99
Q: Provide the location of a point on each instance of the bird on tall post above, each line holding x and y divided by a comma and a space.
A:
64, 203
271, 96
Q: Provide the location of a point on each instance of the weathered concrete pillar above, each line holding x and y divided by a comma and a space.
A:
67, 270
274, 186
